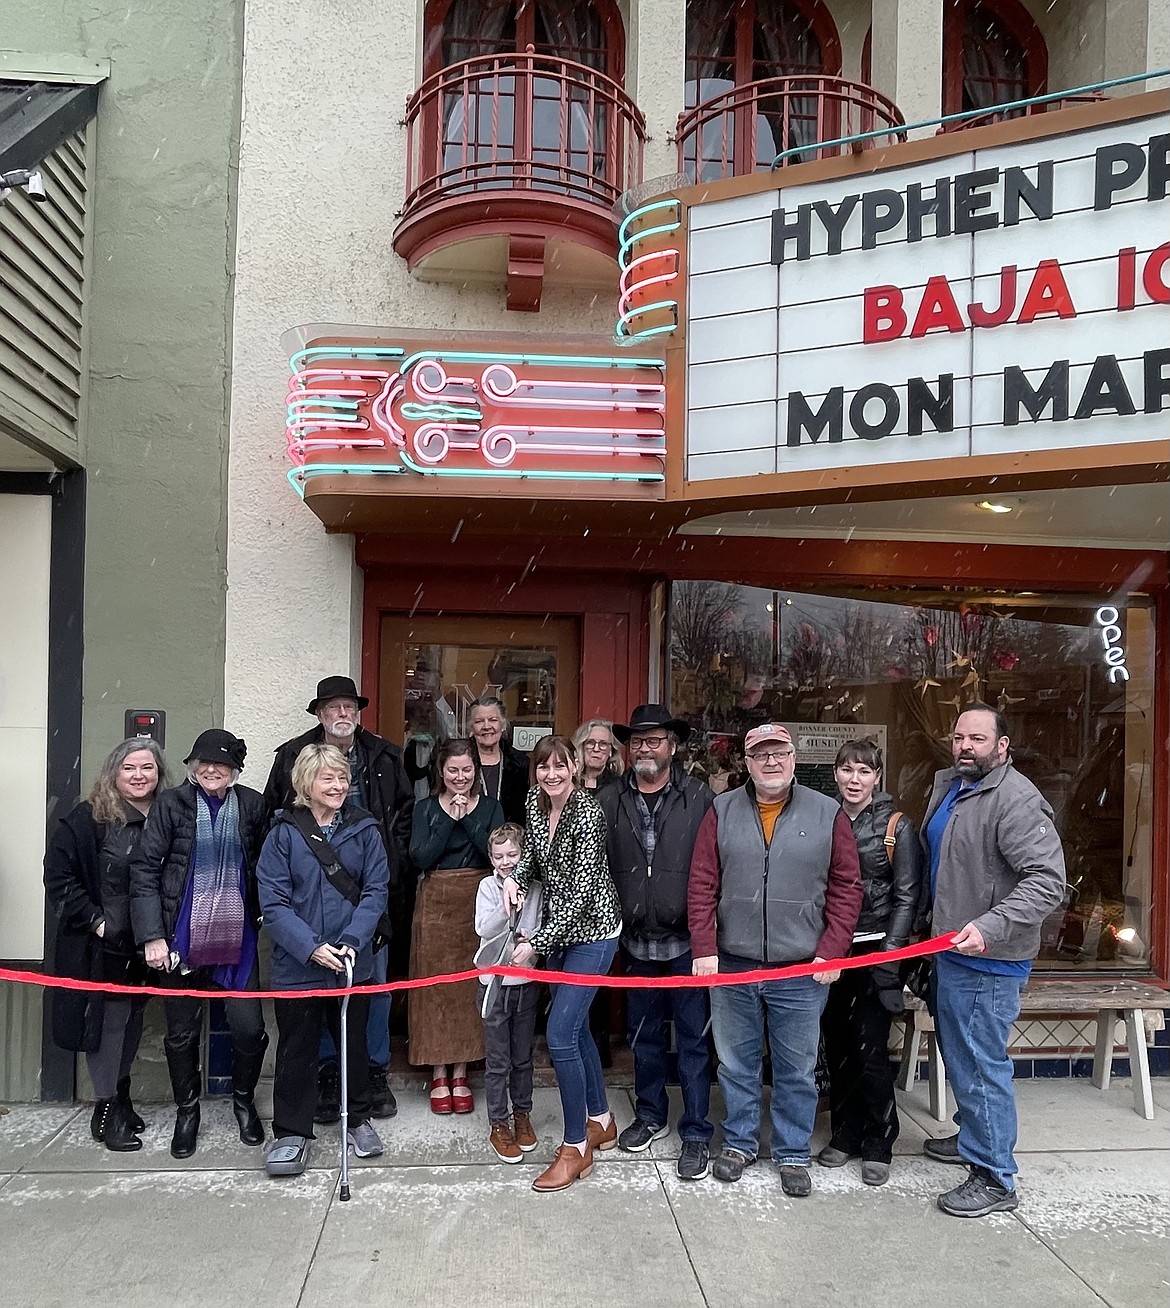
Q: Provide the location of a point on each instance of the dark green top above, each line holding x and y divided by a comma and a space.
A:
438, 843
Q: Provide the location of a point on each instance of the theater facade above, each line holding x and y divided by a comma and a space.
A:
877, 434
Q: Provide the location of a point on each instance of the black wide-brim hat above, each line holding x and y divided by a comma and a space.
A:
216, 746
336, 688
648, 716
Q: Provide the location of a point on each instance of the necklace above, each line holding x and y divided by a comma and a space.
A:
499, 778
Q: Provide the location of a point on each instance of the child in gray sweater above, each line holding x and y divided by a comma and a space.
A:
509, 1023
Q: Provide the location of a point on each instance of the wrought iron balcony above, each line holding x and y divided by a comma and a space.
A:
513, 150
735, 130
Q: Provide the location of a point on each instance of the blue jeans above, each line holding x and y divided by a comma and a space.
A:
647, 1014
790, 1013
973, 1015
570, 1046
378, 1026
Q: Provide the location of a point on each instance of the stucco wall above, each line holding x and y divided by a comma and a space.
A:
159, 321
322, 172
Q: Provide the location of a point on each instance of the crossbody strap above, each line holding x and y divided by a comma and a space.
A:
324, 853
890, 841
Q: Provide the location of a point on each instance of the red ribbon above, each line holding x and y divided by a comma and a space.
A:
923, 949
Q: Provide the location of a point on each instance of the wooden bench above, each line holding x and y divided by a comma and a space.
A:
1111, 1001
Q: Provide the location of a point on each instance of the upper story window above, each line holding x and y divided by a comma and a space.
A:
993, 53
734, 54
587, 33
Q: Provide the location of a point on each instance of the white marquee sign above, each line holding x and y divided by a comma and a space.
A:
1006, 299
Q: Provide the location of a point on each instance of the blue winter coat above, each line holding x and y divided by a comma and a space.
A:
302, 910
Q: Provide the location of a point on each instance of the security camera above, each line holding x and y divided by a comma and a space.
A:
30, 181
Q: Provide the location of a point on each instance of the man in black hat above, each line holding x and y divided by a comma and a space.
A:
653, 816
378, 783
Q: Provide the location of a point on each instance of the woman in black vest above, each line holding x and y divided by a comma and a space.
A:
87, 878
861, 1004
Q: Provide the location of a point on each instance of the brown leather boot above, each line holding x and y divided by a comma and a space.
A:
568, 1166
601, 1137
503, 1143
522, 1129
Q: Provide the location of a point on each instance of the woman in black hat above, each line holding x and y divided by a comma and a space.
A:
195, 911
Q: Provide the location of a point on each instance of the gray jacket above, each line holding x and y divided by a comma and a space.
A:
1001, 865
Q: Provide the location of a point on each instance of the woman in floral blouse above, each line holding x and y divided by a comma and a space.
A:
564, 847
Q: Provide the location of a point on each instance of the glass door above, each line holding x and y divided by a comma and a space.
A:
434, 669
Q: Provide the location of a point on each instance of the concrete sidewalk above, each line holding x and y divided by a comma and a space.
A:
438, 1220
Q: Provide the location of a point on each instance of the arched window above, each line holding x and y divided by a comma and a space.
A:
515, 110
993, 53
586, 31
734, 47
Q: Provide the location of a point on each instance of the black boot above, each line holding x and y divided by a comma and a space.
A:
186, 1130
247, 1060
135, 1122
186, 1083
120, 1137
102, 1112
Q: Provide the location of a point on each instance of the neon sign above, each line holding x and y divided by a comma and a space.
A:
650, 265
469, 413
1107, 619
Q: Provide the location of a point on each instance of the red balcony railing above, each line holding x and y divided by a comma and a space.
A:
741, 129
1000, 115
517, 135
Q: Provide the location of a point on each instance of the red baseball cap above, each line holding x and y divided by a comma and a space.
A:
769, 731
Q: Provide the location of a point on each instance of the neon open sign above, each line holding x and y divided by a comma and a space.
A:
1107, 619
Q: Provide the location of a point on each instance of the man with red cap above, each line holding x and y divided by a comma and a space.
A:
774, 881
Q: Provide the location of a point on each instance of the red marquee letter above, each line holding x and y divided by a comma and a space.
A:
981, 317
938, 310
884, 317
1154, 275
1047, 294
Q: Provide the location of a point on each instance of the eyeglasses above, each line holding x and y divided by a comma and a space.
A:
648, 742
767, 755
597, 744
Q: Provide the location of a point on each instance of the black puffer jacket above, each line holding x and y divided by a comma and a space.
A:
654, 899
891, 888
390, 796
162, 862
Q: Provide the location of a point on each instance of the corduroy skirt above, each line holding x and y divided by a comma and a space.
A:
445, 1026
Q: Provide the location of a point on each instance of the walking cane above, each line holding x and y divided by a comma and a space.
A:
344, 1055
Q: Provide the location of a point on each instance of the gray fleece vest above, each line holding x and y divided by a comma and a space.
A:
772, 898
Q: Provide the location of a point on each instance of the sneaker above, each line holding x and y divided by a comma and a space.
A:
382, 1101
945, 1150
503, 1143
692, 1162
831, 1156
795, 1181
874, 1173
640, 1135
977, 1196
364, 1141
328, 1094
523, 1132
730, 1164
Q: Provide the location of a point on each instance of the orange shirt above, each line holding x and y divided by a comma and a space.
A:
768, 815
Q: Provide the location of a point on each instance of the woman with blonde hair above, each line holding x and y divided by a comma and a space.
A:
597, 750
87, 877
323, 878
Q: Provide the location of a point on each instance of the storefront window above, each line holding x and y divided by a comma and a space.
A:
1073, 675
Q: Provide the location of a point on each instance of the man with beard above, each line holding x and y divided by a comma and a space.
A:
378, 783
996, 872
653, 814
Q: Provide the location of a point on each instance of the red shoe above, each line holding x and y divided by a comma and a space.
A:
461, 1098
440, 1096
